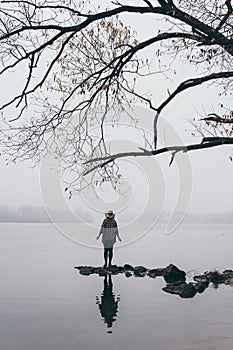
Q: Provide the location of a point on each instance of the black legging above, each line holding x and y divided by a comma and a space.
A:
108, 254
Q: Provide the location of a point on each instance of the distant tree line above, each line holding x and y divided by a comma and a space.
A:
37, 214
32, 214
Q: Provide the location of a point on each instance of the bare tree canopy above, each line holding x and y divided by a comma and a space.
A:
77, 64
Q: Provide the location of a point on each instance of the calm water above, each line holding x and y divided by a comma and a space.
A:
45, 304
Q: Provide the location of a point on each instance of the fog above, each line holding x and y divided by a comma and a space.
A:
210, 190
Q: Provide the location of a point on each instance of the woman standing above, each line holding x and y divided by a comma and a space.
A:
109, 232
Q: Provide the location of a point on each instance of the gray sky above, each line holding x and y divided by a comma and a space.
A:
212, 171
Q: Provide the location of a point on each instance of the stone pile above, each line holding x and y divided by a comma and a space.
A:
173, 276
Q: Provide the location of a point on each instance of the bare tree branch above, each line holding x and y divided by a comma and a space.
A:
194, 82
148, 3
121, 61
206, 143
93, 66
61, 7
216, 118
227, 15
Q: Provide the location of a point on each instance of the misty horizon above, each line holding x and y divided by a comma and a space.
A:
38, 214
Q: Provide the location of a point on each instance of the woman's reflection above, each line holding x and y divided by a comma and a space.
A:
108, 306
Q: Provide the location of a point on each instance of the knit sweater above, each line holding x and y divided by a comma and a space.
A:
109, 231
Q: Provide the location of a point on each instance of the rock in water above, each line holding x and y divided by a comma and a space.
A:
184, 290
128, 274
173, 274
97, 269
188, 291
79, 267
201, 286
103, 272
114, 269
128, 267
86, 271
139, 274
228, 272
155, 272
140, 271
202, 283
202, 279
217, 277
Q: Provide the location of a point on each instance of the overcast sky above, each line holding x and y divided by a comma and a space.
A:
212, 171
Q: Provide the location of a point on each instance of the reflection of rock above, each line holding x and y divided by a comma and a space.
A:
184, 290
173, 274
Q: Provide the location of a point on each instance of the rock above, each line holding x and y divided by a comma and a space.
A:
128, 267
139, 274
128, 274
97, 269
217, 277
155, 272
214, 277
79, 267
114, 269
200, 286
140, 269
188, 291
120, 269
86, 271
202, 283
184, 290
173, 274
103, 272
228, 275
174, 288
202, 279
230, 281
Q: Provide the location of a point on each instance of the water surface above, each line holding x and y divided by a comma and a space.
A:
46, 305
